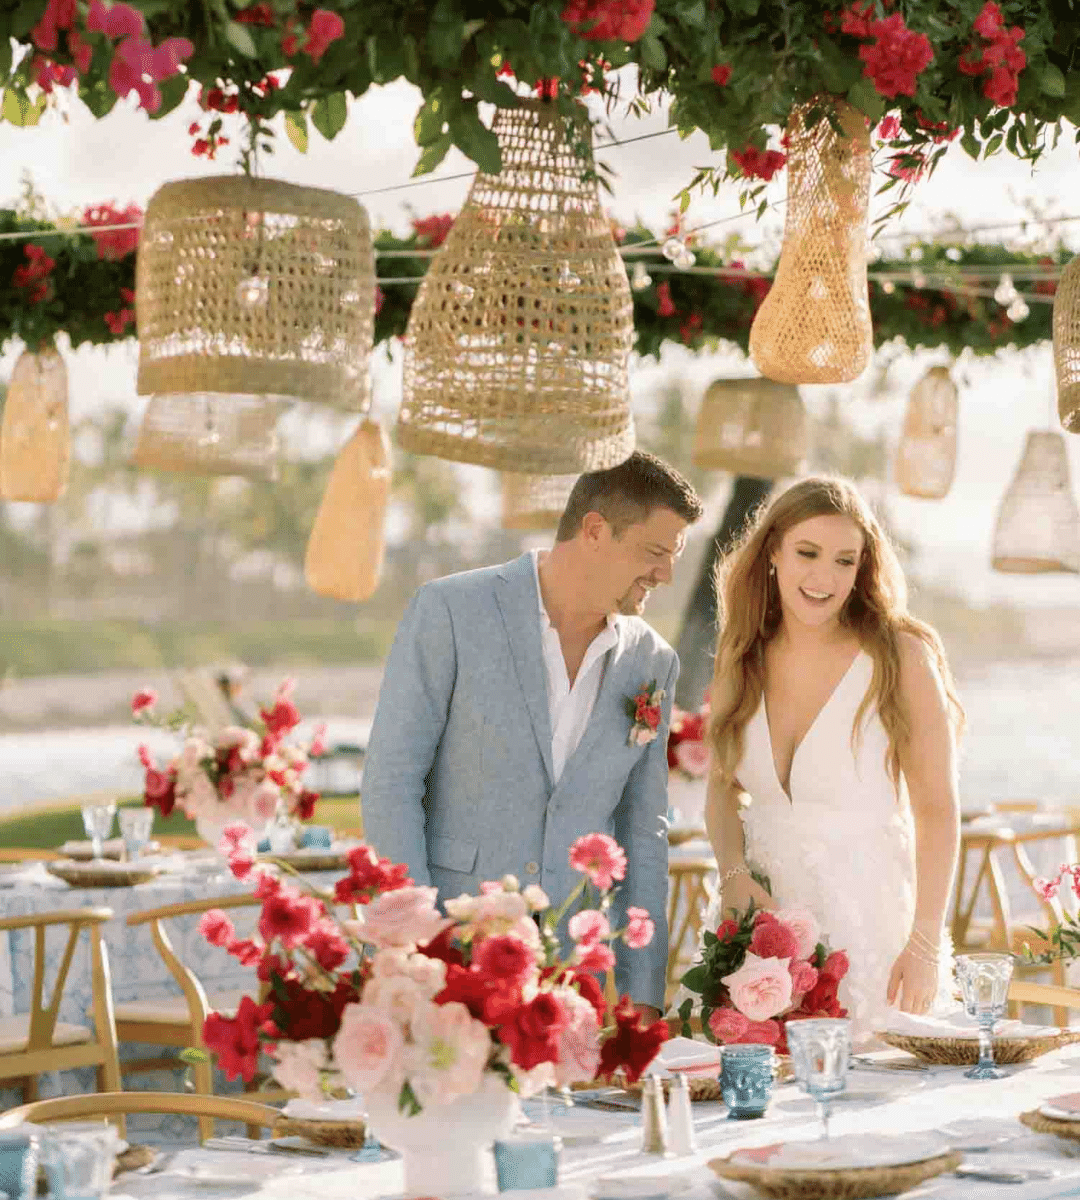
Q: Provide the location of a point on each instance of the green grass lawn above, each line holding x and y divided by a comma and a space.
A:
46, 829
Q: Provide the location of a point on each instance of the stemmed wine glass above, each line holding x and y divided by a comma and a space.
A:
98, 823
984, 983
820, 1049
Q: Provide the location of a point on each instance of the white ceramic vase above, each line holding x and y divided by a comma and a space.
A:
445, 1148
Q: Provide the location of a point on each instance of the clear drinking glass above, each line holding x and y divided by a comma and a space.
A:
984, 983
78, 1159
135, 826
820, 1049
98, 823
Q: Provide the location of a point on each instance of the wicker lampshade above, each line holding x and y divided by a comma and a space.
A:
206, 434
518, 342
814, 324
1038, 524
751, 427
345, 548
531, 502
255, 287
926, 455
34, 441
1067, 345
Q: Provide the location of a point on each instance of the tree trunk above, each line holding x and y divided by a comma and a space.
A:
697, 637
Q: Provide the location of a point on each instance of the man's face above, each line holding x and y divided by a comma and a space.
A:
640, 558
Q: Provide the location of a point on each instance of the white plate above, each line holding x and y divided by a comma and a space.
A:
1062, 1108
846, 1153
638, 1187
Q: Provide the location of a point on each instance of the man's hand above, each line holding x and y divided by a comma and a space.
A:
647, 1013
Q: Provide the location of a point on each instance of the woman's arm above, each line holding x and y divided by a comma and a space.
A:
724, 827
928, 762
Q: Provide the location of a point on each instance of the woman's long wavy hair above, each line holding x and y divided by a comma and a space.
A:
748, 616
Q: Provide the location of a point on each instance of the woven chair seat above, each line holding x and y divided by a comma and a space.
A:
15, 1034
173, 1010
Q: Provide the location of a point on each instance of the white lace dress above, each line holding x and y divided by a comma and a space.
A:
842, 845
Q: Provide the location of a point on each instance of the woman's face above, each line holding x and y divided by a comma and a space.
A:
816, 565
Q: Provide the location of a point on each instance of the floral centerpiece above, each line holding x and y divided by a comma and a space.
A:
1062, 941
423, 1013
760, 970
244, 773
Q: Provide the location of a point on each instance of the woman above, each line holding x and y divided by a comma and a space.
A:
834, 710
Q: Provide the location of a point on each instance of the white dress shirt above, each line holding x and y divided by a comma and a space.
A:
570, 707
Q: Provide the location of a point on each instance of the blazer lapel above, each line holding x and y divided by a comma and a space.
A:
518, 602
613, 682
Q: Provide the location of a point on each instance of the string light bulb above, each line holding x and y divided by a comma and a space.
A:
640, 278
1018, 310
253, 291
686, 259
1005, 292
462, 290
568, 281
672, 248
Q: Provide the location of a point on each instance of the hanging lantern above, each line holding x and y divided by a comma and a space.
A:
345, 549
1067, 345
34, 438
814, 324
751, 427
518, 342
210, 435
534, 502
1038, 524
255, 292
926, 455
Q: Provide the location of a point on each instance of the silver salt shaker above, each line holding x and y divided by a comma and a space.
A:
680, 1118
653, 1117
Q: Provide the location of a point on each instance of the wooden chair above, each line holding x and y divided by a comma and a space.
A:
1060, 999
688, 901
35, 1042
108, 1104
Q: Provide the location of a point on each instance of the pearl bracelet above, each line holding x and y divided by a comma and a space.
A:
731, 874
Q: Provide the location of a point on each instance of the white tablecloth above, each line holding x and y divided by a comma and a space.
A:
905, 1101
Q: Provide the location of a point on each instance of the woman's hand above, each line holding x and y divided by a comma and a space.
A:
741, 889
913, 982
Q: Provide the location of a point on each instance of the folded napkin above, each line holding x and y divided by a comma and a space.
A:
326, 1110
959, 1025
687, 1054
110, 848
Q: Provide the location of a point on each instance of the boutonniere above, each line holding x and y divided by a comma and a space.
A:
644, 713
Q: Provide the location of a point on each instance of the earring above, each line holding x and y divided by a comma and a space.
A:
772, 568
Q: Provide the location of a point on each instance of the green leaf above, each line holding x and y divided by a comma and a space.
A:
173, 90
470, 28
696, 15
26, 16
192, 1054
653, 53
329, 114
867, 99
475, 140
970, 144
993, 145
445, 35
433, 154
684, 200
696, 979
5, 57
1052, 81
430, 120
239, 37
14, 106
296, 130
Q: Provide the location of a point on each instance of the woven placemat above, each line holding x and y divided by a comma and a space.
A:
133, 1158
847, 1184
1041, 1124
86, 875
964, 1052
304, 860
342, 1135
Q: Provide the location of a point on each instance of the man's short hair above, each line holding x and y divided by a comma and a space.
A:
625, 495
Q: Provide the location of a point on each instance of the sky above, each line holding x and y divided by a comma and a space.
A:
75, 161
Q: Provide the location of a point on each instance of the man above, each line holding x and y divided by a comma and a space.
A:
502, 734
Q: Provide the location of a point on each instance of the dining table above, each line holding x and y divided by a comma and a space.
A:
602, 1153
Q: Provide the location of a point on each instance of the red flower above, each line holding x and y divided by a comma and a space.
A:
368, 876
589, 988
547, 89
487, 998
442, 947
144, 698
821, 998
301, 1013
248, 952
599, 857
836, 965
773, 940
532, 1031
59, 14
988, 23
305, 804
281, 718
255, 14
726, 930
721, 74
633, 1045
609, 20
234, 1041
503, 957
665, 304
216, 927
431, 231
761, 1033
114, 244
889, 128
758, 164
324, 27
288, 915
327, 945
896, 57
159, 791
594, 957
728, 1024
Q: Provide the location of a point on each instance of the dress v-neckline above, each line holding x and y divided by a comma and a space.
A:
809, 729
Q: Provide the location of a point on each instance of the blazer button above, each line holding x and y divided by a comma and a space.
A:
532, 868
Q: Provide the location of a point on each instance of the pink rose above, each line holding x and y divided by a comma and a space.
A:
727, 1024
760, 988
836, 965
803, 977
593, 957
761, 1033
693, 758
773, 940
726, 930
579, 1042
804, 926
639, 928
367, 1046
404, 917
144, 698
588, 926
600, 857
264, 800
298, 1067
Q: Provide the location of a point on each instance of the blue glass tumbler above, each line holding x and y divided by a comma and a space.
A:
527, 1159
746, 1079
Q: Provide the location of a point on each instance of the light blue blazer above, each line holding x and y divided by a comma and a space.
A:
458, 778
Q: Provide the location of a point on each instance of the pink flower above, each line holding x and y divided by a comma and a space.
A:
988, 23
288, 915
264, 799
693, 758
599, 857
298, 1066
771, 939
367, 1046
405, 917
327, 945
325, 27
889, 128
216, 927
114, 20
761, 1033
59, 14
801, 923
143, 699
449, 1052
593, 957
247, 951
588, 926
836, 965
803, 977
145, 757
237, 838
639, 928
504, 957
727, 1024
579, 1042
760, 988
318, 742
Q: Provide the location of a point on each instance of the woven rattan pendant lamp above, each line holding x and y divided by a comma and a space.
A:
517, 346
751, 427
926, 455
1067, 346
814, 324
34, 437
1038, 524
534, 502
250, 293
